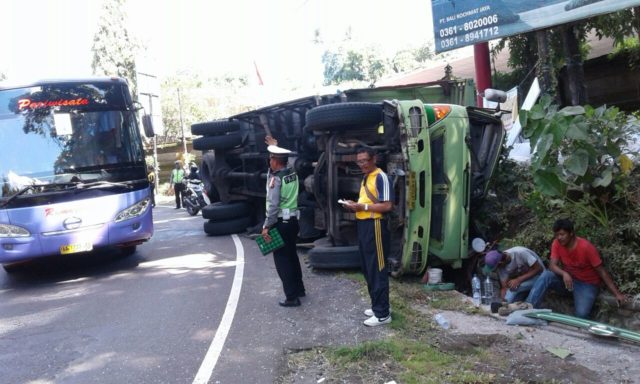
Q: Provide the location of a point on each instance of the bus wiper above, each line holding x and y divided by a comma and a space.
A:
103, 183
21, 192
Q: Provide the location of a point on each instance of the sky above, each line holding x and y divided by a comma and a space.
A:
52, 39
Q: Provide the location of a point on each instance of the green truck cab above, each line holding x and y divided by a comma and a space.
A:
439, 156
439, 159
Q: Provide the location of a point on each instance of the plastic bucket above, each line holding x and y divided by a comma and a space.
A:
435, 275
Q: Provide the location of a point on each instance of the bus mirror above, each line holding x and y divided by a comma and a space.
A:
147, 124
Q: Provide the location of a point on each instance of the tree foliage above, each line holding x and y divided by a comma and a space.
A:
523, 49
350, 64
345, 62
114, 49
582, 155
201, 99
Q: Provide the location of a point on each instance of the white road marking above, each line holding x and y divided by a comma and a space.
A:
211, 358
176, 219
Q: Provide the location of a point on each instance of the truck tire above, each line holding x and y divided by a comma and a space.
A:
342, 116
325, 256
207, 165
227, 227
214, 128
217, 142
221, 211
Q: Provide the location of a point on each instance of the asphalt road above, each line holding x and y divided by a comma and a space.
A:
182, 309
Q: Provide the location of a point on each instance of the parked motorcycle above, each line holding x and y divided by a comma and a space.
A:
194, 198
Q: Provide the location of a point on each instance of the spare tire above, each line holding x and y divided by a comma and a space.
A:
227, 227
343, 116
214, 128
217, 142
324, 256
220, 211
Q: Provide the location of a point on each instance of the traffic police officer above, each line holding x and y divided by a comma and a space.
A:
282, 214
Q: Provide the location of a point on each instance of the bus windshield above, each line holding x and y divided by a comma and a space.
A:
59, 134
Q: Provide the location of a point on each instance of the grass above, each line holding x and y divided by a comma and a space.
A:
407, 361
411, 354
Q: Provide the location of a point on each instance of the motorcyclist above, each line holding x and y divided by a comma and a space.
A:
193, 172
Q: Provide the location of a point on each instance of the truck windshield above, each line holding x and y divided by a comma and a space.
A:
55, 135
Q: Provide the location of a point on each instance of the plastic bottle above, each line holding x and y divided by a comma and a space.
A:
441, 320
475, 287
487, 298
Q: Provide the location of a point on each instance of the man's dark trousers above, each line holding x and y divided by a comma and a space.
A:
373, 242
287, 261
178, 188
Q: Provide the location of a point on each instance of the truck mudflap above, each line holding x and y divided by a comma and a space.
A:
594, 327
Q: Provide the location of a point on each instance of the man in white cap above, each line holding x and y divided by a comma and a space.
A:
282, 213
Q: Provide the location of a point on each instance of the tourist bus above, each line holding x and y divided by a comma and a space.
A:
72, 170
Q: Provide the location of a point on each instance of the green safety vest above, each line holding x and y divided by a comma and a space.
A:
177, 175
288, 189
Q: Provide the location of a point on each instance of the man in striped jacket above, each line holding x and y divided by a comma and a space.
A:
375, 199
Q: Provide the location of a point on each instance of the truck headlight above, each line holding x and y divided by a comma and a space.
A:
135, 210
7, 231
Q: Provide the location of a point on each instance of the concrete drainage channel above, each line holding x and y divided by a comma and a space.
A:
594, 327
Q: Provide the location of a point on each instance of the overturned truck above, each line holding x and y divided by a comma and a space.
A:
438, 153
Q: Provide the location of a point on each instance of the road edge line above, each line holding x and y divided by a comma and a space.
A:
211, 358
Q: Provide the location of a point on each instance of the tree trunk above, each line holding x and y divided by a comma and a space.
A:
636, 20
575, 69
544, 63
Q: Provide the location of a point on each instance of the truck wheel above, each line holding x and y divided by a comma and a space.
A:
217, 142
214, 128
221, 211
227, 227
208, 164
325, 256
342, 116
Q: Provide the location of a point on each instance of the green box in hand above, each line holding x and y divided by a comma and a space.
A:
275, 243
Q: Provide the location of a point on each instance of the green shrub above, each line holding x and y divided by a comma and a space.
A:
582, 170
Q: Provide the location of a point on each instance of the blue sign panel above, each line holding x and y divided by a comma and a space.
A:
458, 23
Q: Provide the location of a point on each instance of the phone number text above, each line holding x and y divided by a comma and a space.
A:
470, 37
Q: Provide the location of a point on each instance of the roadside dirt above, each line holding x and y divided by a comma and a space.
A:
509, 354
523, 350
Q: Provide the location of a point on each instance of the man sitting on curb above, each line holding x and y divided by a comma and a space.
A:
518, 269
575, 268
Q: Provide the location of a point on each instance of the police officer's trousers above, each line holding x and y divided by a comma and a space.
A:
287, 261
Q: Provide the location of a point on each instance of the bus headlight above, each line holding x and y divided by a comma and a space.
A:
135, 210
7, 231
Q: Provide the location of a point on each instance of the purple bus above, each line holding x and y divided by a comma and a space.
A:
72, 170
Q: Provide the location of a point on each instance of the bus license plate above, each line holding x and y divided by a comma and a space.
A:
75, 248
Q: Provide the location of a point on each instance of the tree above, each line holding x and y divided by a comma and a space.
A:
2, 76
114, 49
200, 100
568, 46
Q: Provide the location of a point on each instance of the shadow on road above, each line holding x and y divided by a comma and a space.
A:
54, 269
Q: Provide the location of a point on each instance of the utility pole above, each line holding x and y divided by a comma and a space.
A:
184, 140
151, 95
